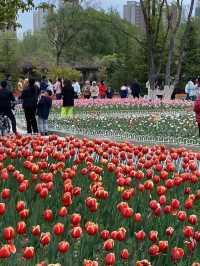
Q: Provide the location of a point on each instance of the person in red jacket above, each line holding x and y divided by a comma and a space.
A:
102, 90
197, 112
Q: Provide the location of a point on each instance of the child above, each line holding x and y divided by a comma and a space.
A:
197, 112
43, 110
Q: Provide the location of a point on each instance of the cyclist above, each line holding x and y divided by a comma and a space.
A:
6, 103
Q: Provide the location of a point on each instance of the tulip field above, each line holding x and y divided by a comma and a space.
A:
80, 202
134, 120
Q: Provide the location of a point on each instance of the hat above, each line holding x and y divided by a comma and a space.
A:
94, 83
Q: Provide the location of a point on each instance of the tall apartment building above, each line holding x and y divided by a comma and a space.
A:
39, 18
133, 14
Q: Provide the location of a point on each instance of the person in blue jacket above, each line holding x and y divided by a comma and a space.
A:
43, 110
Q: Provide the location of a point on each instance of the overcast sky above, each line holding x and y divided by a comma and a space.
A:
26, 19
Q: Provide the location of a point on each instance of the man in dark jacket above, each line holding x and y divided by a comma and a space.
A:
29, 98
6, 101
135, 88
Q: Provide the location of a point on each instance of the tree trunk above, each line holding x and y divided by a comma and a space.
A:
58, 55
183, 44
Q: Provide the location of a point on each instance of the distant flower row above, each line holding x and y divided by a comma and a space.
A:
129, 102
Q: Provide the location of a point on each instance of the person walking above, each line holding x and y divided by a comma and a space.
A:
43, 110
94, 90
135, 89
86, 90
29, 103
124, 91
58, 89
190, 90
102, 90
6, 102
68, 99
77, 89
109, 93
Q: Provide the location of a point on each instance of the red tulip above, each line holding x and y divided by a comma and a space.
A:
121, 234
92, 204
110, 259
91, 228
108, 245
161, 190
167, 209
90, 263
5, 252
63, 246
153, 204
28, 253
163, 246
76, 232
189, 203
62, 212
114, 235
8, 233
67, 199
105, 234
138, 217
192, 219
5, 193
197, 235
45, 238
162, 200
143, 263
127, 212
140, 235
75, 219
23, 186
58, 229
153, 236
154, 250
21, 228
48, 215
24, 213
36, 230
20, 206
182, 216
175, 204
169, 231
124, 254
4, 174
2, 208
177, 254
188, 231
44, 193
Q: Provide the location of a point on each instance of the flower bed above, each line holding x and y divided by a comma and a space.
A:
80, 202
124, 104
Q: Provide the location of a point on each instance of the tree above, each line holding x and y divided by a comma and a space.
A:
160, 39
62, 27
191, 64
9, 54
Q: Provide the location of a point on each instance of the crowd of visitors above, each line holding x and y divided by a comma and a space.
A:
36, 97
192, 89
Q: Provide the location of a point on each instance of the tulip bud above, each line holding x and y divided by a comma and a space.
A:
63, 246
124, 254
28, 253
110, 259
